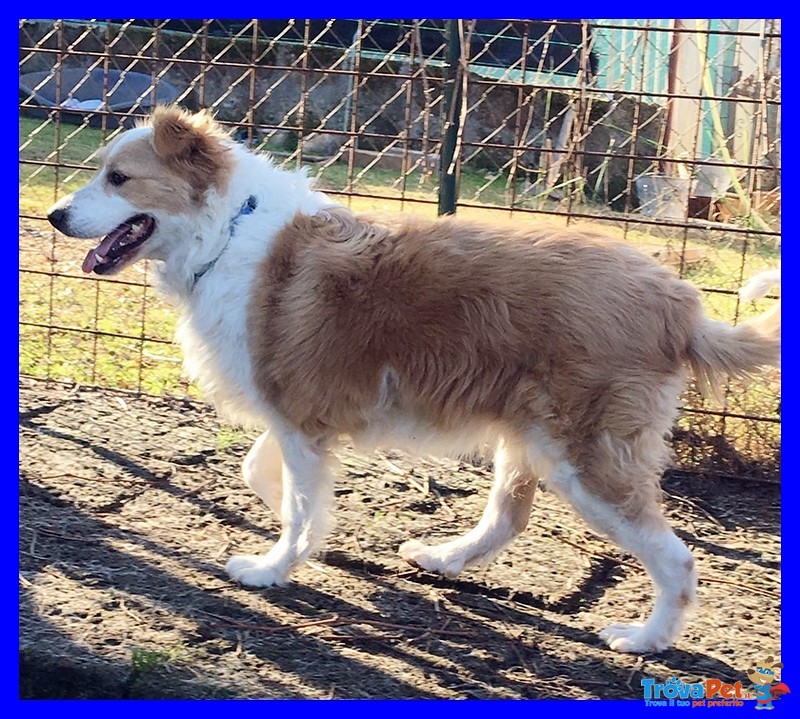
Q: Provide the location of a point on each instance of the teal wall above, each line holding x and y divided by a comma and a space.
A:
630, 59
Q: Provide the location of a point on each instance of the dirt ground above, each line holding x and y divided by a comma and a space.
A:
129, 508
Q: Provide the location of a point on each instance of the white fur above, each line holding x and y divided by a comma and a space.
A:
400, 430
666, 559
213, 331
305, 514
262, 471
759, 285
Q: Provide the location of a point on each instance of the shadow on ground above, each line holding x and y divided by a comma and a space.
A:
130, 506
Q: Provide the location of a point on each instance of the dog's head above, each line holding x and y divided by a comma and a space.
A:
150, 178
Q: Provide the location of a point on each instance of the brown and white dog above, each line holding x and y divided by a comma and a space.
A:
564, 350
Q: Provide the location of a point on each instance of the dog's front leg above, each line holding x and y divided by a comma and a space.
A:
305, 508
262, 471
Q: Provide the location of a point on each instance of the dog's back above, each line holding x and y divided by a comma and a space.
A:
472, 319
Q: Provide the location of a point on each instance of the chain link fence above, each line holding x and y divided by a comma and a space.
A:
666, 133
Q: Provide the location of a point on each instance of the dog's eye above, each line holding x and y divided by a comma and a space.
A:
117, 178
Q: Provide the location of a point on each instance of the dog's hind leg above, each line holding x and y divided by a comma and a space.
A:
671, 567
305, 514
505, 516
629, 514
262, 470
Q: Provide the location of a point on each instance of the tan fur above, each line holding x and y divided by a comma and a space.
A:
173, 170
150, 186
191, 145
566, 329
718, 351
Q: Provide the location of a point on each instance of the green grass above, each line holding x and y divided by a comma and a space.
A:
231, 438
101, 306
146, 660
415, 185
41, 140
114, 308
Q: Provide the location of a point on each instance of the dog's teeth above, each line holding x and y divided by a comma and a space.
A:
99, 258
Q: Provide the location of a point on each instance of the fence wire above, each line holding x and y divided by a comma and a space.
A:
665, 132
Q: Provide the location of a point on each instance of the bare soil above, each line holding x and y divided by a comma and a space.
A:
130, 506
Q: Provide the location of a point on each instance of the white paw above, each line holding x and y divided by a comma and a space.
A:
255, 570
632, 639
434, 559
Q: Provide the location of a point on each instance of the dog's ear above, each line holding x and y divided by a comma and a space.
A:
179, 134
173, 133
194, 144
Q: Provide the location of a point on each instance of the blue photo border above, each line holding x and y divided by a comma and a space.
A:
411, 8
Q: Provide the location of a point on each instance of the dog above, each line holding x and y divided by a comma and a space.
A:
562, 349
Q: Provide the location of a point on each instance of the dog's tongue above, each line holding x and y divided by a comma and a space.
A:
103, 248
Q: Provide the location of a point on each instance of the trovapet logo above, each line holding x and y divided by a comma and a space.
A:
711, 692
764, 687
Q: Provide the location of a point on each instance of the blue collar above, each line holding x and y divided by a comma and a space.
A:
247, 208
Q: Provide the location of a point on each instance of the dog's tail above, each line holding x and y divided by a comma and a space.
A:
759, 285
717, 350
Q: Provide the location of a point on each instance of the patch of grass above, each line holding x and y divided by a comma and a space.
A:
415, 185
231, 437
146, 660
42, 139
89, 306
44, 144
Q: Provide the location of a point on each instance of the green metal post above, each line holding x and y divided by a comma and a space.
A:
448, 177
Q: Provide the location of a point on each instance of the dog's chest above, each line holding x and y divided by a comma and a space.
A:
213, 337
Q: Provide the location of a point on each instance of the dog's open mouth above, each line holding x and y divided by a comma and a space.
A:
119, 246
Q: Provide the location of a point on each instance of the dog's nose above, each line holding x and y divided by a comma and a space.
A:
58, 218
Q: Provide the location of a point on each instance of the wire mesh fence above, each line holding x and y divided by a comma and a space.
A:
666, 133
